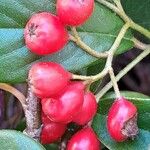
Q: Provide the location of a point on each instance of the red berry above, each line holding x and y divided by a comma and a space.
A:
74, 12
45, 34
84, 139
77, 84
45, 119
88, 109
122, 120
48, 78
51, 131
64, 106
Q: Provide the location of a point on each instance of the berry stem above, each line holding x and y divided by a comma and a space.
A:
85, 47
15, 92
138, 44
109, 59
114, 83
110, 54
140, 29
109, 5
118, 4
120, 11
74, 31
116, 44
92, 78
123, 72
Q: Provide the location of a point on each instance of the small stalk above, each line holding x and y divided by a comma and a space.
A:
108, 86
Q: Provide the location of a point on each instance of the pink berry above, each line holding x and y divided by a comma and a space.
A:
45, 34
84, 139
51, 131
122, 120
48, 78
74, 12
64, 106
88, 109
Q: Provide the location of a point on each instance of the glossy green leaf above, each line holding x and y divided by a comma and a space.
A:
139, 11
14, 140
142, 103
51, 147
93, 69
141, 142
15, 13
15, 59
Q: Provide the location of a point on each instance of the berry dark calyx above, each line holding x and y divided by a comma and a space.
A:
130, 128
32, 29
122, 120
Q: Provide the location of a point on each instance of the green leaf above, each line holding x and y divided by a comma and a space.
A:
141, 142
139, 11
51, 147
21, 125
142, 103
93, 69
140, 100
15, 59
14, 140
15, 13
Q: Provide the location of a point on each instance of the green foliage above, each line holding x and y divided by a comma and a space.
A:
14, 140
99, 124
99, 33
51, 147
139, 11
141, 142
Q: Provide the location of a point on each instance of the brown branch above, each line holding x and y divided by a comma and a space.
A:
33, 115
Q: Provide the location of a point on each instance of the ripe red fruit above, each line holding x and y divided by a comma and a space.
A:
84, 139
64, 106
74, 12
122, 120
45, 119
77, 84
51, 131
48, 78
45, 34
88, 109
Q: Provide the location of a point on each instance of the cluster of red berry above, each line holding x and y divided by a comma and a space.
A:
45, 33
63, 101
